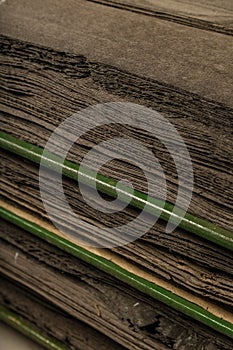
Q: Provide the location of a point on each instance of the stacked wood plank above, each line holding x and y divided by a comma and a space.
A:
174, 57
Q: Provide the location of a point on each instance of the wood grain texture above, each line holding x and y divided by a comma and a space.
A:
93, 297
52, 321
31, 107
173, 57
179, 258
196, 60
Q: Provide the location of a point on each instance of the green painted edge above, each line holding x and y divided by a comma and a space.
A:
186, 307
17, 322
197, 226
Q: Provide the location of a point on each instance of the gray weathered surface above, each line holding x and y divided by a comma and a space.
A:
197, 60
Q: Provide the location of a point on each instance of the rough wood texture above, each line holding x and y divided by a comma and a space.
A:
52, 321
179, 258
65, 56
34, 104
93, 297
197, 60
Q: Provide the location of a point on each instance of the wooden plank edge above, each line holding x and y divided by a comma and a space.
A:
29, 330
195, 307
189, 222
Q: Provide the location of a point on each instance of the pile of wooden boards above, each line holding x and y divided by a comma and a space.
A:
164, 290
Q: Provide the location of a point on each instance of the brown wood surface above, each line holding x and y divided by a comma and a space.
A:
214, 15
94, 298
197, 60
33, 104
180, 259
175, 57
51, 321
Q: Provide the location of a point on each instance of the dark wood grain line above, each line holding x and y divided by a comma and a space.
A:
35, 100
51, 321
87, 287
169, 16
179, 258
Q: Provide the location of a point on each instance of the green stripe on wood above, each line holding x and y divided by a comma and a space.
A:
30, 331
197, 226
149, 288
